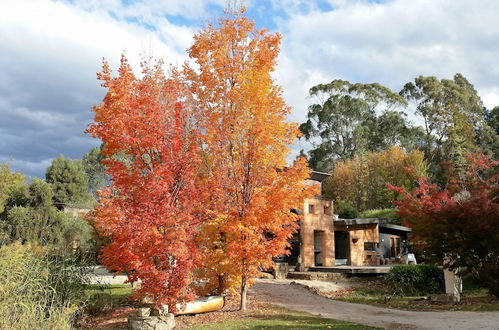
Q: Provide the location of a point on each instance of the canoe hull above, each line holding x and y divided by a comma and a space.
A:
203, 305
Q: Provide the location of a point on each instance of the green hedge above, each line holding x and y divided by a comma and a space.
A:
390, 214
416, 279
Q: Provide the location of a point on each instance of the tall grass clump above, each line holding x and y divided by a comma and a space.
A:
39, 289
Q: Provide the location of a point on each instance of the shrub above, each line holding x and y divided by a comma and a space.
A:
38, 290
416, 279
390, 214
346, 211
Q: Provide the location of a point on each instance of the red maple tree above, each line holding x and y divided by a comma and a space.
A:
151, 149
460, 222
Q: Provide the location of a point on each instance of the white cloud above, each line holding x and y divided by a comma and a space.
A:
50, 51
391, 43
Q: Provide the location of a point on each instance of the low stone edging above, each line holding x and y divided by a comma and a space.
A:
147, 319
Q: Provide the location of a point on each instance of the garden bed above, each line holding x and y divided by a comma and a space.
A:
378, 293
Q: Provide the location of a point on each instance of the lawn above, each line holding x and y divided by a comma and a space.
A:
474, 298
102, 297
267, 316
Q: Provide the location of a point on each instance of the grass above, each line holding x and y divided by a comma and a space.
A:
473, 299
274, 317
105, 297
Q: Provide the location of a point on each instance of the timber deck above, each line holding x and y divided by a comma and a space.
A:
381, 270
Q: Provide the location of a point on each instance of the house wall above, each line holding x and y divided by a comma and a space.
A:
358, 236
320, 220
384, 242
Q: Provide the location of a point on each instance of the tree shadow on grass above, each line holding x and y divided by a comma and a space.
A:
286, 321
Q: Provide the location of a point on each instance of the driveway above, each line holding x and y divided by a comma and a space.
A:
298, 298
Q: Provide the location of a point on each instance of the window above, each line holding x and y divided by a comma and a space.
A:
311, 208
369, 246
327, 209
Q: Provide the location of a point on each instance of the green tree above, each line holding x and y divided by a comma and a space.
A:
392, 128
69, 181
344, 121
492, 118
38, 221
452, 113
12, 186
488, 133
94, 170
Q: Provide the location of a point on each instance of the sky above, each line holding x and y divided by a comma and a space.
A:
51, 50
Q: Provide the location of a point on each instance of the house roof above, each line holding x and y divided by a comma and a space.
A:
367, 221
319, 176
395, 227
356, 221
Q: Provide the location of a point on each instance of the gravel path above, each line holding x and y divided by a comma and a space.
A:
298, 298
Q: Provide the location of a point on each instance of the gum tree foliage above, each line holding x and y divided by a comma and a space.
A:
349, 118
95, 170
246, 139
68, 180
492, 118
460, 221
488, 135
453, 116
150, 211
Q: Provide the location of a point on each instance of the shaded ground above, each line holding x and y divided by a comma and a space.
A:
260, 315
298, 298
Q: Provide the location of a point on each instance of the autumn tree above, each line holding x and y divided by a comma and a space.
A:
361, 181
246, 139
459, 222
151, 153
11, 184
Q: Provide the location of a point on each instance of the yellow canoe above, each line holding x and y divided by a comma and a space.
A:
202, 305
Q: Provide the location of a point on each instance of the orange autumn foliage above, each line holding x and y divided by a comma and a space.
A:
246, 138
361, 181
150, 211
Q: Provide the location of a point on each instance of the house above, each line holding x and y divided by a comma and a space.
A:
325, 240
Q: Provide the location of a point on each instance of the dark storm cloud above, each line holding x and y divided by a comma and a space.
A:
49, 54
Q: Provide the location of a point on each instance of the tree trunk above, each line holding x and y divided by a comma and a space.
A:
221, 284
244, 291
